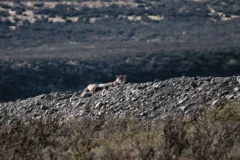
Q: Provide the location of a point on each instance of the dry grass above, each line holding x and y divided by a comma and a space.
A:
27, 11
214, 135
222, 15
31, 7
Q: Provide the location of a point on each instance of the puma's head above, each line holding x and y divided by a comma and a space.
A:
121, 79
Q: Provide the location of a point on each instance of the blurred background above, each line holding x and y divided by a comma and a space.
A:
49, 46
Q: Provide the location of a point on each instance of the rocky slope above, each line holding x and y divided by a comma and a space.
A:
182, 96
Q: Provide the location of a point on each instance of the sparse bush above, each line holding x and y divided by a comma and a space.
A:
59, 10
5, 6
4, 14
39, 4
18, 9
214, 135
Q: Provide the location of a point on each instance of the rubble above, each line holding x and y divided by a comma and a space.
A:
145, 100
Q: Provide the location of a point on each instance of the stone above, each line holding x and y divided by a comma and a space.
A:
209, 79
238, 79
43, 96
86, 95
214, 102
100, 113
146, 100
193, 84
134, 99
53, 110
182, 100
195, 78
223, 93
98, 105
230, 96
141, 87
36, 114
43, 107
236, 89
143, 114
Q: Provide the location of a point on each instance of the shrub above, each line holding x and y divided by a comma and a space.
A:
214, 135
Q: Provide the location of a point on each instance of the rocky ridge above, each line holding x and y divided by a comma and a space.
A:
185, 95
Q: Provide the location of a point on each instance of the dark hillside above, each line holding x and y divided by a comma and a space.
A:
62, 45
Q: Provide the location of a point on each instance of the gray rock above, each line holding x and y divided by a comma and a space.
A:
238, 79
230, 96
134, 99
43, 107
98, 105
236, 89
223, 93
182, 101
146, 100
193, 84
214, 102
183, 108
53, 110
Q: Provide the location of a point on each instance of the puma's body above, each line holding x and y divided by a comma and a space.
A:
93, 87
96, 87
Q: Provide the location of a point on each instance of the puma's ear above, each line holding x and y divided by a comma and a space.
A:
117, 76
